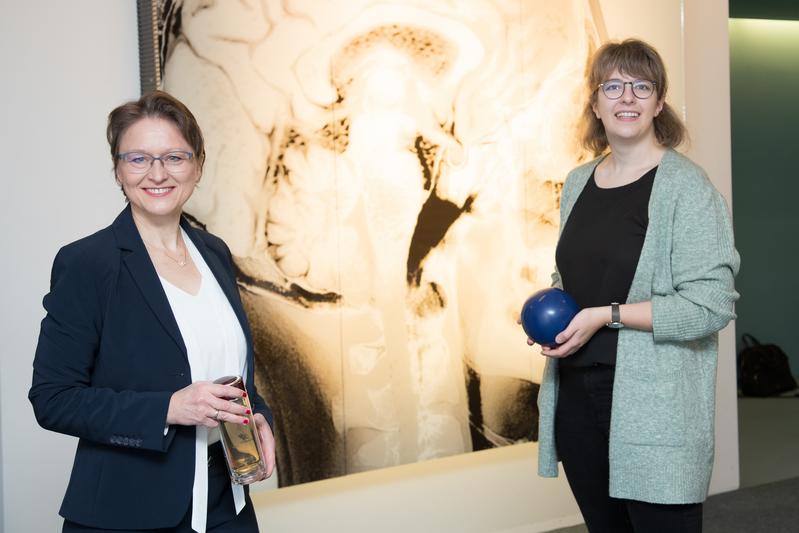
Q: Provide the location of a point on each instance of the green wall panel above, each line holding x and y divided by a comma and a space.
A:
765, 9
764, 95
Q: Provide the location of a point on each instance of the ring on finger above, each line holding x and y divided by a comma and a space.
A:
216, 415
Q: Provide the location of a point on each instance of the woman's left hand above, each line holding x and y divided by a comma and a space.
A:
267, 442
578, 332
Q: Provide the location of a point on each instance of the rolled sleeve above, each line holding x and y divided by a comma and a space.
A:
703, 263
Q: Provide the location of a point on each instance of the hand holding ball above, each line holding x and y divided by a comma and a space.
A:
546, 313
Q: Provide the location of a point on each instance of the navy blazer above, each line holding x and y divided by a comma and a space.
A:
110, 356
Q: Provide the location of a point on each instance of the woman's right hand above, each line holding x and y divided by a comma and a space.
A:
206, 404
579, 331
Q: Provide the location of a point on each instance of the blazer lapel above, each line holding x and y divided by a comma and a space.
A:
141, 269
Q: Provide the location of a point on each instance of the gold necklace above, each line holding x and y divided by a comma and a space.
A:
180, 260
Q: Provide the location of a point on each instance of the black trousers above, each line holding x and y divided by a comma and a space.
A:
582, 429
222, 516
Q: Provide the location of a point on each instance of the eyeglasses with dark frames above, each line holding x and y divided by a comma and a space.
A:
613, 89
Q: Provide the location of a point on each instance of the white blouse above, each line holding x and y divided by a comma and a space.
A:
216, 347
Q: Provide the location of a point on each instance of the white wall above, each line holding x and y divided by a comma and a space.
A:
707, 105
66, 65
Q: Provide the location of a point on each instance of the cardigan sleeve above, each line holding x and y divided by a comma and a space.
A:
567, 199
703, 265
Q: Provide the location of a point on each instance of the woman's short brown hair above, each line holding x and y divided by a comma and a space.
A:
633, 58
155, 104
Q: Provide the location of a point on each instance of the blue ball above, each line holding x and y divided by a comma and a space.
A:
546, 313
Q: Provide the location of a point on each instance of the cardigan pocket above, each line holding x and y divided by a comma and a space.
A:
649, 413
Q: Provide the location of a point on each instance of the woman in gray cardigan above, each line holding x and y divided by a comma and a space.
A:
646, 249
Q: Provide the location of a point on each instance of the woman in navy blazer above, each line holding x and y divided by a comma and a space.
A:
112, 366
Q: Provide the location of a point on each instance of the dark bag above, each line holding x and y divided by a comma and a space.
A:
764, 369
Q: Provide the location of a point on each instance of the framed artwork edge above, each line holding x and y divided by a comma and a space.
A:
149, 45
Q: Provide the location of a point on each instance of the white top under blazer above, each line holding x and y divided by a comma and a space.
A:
216, 347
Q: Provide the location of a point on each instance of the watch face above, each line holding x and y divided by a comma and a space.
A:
615, 325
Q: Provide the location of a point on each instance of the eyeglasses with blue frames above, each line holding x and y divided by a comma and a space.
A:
613, 89
141, 162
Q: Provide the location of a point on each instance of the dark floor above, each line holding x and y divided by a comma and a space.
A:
772, 508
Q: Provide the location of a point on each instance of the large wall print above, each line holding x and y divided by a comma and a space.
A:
387, 175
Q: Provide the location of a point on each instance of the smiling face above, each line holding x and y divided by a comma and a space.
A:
161, 191
628, 119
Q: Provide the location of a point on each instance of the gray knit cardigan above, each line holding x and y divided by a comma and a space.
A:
661, 430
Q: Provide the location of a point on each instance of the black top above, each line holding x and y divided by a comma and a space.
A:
598, 252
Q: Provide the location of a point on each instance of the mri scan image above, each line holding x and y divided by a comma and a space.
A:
387, 176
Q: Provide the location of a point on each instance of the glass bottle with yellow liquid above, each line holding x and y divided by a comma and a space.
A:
242, 445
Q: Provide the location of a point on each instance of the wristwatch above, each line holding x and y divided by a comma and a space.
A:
615, 317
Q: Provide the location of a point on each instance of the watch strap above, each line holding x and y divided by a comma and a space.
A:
615, 317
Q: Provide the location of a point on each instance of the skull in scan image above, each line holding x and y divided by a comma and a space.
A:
387, 176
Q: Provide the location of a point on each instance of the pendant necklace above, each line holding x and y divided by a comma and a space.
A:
180, 260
